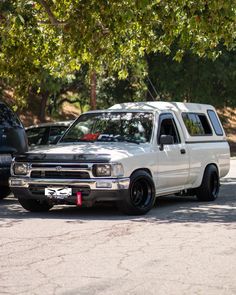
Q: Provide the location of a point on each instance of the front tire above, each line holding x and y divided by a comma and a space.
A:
35, 205
141, 195
209, 189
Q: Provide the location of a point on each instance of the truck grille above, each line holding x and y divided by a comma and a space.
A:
54, 165
60, 170
60, 174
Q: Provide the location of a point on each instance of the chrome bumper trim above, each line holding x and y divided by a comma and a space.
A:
115, 183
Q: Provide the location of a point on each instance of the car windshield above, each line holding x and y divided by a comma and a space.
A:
135, 127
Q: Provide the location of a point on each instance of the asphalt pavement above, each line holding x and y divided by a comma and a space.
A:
181, 247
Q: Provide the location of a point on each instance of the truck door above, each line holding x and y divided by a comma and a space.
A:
173, 158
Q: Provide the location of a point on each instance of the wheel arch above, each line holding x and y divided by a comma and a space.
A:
210, 185
211, 164
203, 170
142, 169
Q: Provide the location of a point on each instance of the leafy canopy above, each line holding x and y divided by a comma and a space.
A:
116, 33
194, 79
43, 41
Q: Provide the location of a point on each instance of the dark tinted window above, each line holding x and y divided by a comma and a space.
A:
8, 118
36, 135
55, 133
168, 127
196, 124
215, 122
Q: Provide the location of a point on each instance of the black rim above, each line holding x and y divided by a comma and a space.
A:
141, 193
214, 185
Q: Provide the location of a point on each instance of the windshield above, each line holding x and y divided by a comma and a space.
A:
133, 127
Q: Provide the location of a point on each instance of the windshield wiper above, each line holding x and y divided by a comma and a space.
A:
73, 140
113, 139
131, 141
85, 140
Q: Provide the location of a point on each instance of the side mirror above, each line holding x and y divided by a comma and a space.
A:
164, 140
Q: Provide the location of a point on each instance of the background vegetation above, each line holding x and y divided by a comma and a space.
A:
95, 53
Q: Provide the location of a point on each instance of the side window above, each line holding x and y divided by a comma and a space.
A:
55, 133
215, 122
36, 136
168, 127
197, 124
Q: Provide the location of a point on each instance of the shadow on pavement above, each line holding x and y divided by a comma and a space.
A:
170, 209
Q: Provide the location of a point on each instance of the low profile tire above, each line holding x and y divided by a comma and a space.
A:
34, 205
141, 195
4, 192
209, 189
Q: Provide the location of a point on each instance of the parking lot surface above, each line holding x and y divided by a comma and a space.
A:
181, 247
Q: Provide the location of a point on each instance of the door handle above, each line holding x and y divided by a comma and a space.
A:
183, 151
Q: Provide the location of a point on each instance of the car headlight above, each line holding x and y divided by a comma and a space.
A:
100, 170
20, 169
105, 170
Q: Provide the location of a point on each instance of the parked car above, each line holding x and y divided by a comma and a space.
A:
46, 133
130, 154
12, 140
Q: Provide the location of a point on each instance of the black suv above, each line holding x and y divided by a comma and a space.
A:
12, 140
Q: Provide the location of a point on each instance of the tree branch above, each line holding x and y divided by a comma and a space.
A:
67, 100
53, 20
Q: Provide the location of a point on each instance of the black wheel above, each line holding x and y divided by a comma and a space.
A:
209, 189
4, 191
35, 205
141, 195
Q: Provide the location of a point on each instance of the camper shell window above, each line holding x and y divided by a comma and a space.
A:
215, 122
197, 124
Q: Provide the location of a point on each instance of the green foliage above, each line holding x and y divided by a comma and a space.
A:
111, 89
25, 50
194, 79
117, 33
43, 43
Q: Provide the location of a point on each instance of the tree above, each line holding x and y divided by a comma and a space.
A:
194, 79
48, 40
119, 32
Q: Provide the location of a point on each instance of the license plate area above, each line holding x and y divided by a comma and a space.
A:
58, 192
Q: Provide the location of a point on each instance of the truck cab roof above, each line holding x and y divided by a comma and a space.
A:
162, 106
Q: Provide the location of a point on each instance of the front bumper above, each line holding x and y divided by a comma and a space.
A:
93, 184
92, 190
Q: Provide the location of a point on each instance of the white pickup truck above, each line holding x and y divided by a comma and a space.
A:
130, 154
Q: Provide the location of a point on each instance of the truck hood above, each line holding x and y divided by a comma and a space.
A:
88, 151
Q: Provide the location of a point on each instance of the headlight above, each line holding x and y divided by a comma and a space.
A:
100, 170
20, 169
105, 170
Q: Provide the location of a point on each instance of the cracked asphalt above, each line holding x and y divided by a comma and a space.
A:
181, 247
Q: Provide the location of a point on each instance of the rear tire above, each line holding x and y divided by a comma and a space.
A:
141, 195
209, 189
4, 191
35, 205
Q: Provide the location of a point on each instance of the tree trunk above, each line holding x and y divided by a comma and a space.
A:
93, 83
43, 104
